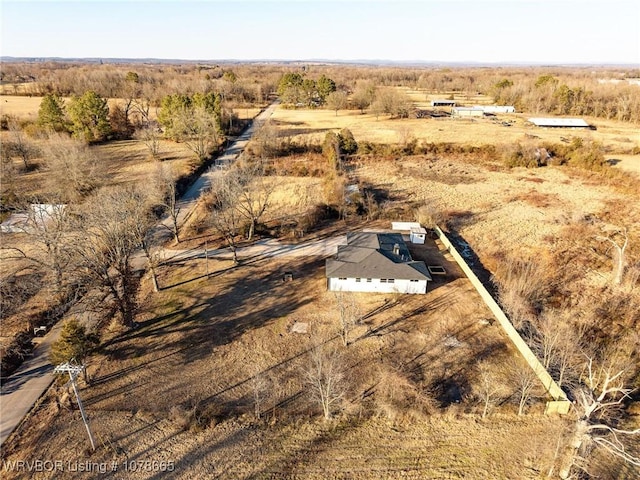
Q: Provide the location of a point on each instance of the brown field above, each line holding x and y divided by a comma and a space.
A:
313, 125
26, 108
20, 107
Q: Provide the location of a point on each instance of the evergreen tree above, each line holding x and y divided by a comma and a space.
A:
348, 144
325, 86
51, 114
89, 116
74, 343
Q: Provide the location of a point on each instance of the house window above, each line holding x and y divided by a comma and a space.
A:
412, 281
357, 280
368, 280
391, 280
342, 278
383, 280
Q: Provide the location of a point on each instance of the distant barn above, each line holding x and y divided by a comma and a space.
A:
560, 122
498, 108
467, 112
443, 103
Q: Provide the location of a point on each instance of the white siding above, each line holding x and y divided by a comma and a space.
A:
402, 226
498, 108
376, 286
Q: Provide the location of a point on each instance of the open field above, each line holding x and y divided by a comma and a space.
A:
313, 125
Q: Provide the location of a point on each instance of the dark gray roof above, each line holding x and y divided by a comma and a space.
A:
375, 255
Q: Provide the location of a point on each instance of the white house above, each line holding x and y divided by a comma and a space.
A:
376, 262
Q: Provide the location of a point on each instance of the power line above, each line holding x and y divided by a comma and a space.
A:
74, 370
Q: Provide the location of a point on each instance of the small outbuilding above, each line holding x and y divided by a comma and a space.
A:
498, 108
559, 122
467, 112
418, 235
443, 103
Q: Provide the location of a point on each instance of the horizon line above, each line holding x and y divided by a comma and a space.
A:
360, 61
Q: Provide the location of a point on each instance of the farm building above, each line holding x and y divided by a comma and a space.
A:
497, 108
467, 112
560, 122
417, 233
38, 216
443, 103
375, 262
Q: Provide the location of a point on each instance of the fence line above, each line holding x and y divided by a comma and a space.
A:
560, 403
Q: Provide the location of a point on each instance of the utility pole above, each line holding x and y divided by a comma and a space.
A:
206, 256
74, 370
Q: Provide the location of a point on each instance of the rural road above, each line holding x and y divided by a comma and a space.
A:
264, 248
22, 389
189, 200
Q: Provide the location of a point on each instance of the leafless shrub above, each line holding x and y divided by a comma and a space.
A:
324, 375
522, 287
488, 388
74, 170
430, 216
398, 398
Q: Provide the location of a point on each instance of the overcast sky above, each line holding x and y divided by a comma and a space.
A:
542, 31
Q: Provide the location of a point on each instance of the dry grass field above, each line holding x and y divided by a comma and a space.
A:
26, 108
313, 125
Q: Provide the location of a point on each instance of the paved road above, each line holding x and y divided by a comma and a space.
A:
264, 248
23, 388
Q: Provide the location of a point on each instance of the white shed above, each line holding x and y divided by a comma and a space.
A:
467, 112
418, 235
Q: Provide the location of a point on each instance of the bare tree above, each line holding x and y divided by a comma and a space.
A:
337, 101
488, 387
48, 227
150, 134
349, 314
523, 378
324, 375
19, 146
225, 217
557, 342
253, 191
74, 171
265, 142
619, 240
168, 197
600, 396
115, 224
198, 130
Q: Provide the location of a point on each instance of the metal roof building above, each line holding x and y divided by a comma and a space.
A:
560, 122
497, 108
443, 103
467, 112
